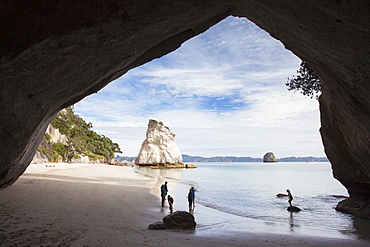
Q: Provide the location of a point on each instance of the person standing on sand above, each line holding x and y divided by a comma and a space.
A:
193, 190
170, 202
290, 197
163, 193
191, 200
165, 186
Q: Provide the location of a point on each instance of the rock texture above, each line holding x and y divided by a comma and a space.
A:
157, 226
179, 220
293, 209
53, 54
55, 137
159, 147
190, 165
269, 157
358, 206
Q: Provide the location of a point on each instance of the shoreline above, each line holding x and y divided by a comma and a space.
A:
102, 205
238, 223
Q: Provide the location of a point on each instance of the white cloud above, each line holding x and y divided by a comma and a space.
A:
222, 93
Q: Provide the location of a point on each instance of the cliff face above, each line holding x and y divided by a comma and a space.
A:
159, 147
53, 54
55, 137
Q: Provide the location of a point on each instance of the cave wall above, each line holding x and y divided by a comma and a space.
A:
54, 53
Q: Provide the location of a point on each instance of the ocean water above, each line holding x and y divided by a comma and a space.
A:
249, 189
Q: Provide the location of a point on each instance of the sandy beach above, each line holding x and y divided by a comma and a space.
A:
103, 205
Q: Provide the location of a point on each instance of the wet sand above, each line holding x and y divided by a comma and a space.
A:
102, 205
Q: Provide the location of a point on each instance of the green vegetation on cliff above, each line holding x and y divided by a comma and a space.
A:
156, 122
82, 140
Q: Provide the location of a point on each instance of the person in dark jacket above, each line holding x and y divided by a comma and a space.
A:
191, 199
194, 190
163, 194
165, 186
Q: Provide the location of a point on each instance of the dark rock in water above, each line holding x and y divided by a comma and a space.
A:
179, 220
269, 157
359, 206
293, 209
281, 195
157, 226
190, 165
340, 196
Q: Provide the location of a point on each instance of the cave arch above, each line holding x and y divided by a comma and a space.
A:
55, 54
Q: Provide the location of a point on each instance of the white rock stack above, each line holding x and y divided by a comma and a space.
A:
159, 147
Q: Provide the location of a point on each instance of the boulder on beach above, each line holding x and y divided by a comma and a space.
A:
157, 226
293, 209
179, 220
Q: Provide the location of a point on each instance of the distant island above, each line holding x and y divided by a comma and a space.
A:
303, 159
269, 157
189, 158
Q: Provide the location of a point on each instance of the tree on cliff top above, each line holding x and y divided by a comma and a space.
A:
307, 82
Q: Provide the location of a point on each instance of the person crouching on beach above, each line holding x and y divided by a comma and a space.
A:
170, 203
290, 197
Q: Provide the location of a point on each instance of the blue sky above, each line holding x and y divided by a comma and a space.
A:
222, 93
